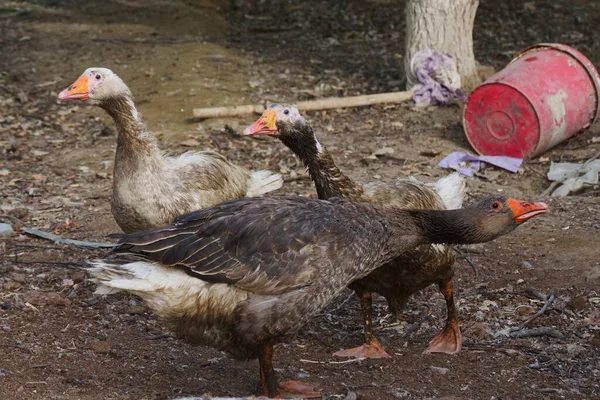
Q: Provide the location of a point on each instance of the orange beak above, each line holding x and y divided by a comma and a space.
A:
77, 91
265, 125
523, 210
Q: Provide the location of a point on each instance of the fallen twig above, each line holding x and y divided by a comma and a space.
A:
331, 362
308, 105
36, 366
547, 302
161, 336
541, 331
58, 239
467, 259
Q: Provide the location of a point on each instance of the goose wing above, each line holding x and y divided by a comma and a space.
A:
263, 245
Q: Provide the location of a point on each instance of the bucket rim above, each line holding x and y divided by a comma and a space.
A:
580, 58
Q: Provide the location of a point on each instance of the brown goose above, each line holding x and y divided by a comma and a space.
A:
149, 188
413, 270
249, 273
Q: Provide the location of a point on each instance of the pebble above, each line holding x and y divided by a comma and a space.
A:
526, 265
6, 230
302, 375
351, 396
401, 394
439, 370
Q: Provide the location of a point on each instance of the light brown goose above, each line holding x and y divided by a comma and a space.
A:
149, 188
249, 273
413, 270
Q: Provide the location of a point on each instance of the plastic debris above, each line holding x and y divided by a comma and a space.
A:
6, 230
468, 164
573, 177
434, 78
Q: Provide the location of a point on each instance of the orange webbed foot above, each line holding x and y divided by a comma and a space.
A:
367, 350
298, 390
448, 340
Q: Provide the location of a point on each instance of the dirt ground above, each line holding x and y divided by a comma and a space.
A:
59, 341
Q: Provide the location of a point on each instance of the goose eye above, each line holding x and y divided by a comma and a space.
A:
98, 77
496, 205
286, 112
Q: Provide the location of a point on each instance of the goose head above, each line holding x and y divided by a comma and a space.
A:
96, 85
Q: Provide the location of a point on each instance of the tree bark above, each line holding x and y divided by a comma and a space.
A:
445, 26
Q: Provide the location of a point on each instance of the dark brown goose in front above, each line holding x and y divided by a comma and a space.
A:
249, 273
407, 274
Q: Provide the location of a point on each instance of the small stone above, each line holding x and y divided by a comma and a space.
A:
401, 394
439, 370
526, 265
6, 230
351, 396
101, 346
133, 302
67, 282
302, 375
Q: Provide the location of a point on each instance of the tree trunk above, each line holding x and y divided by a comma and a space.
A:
445, 26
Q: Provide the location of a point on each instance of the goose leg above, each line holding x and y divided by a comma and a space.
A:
372, 347
268, 381
449, 339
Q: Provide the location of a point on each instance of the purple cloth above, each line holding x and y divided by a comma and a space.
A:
467, 164
436, 73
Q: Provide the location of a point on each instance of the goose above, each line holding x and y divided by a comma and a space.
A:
150, 188
409, 273
248, 273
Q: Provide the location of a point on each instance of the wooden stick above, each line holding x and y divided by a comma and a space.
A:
308, 105
57, 239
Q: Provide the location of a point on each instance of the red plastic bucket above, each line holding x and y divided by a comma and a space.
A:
547, 94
